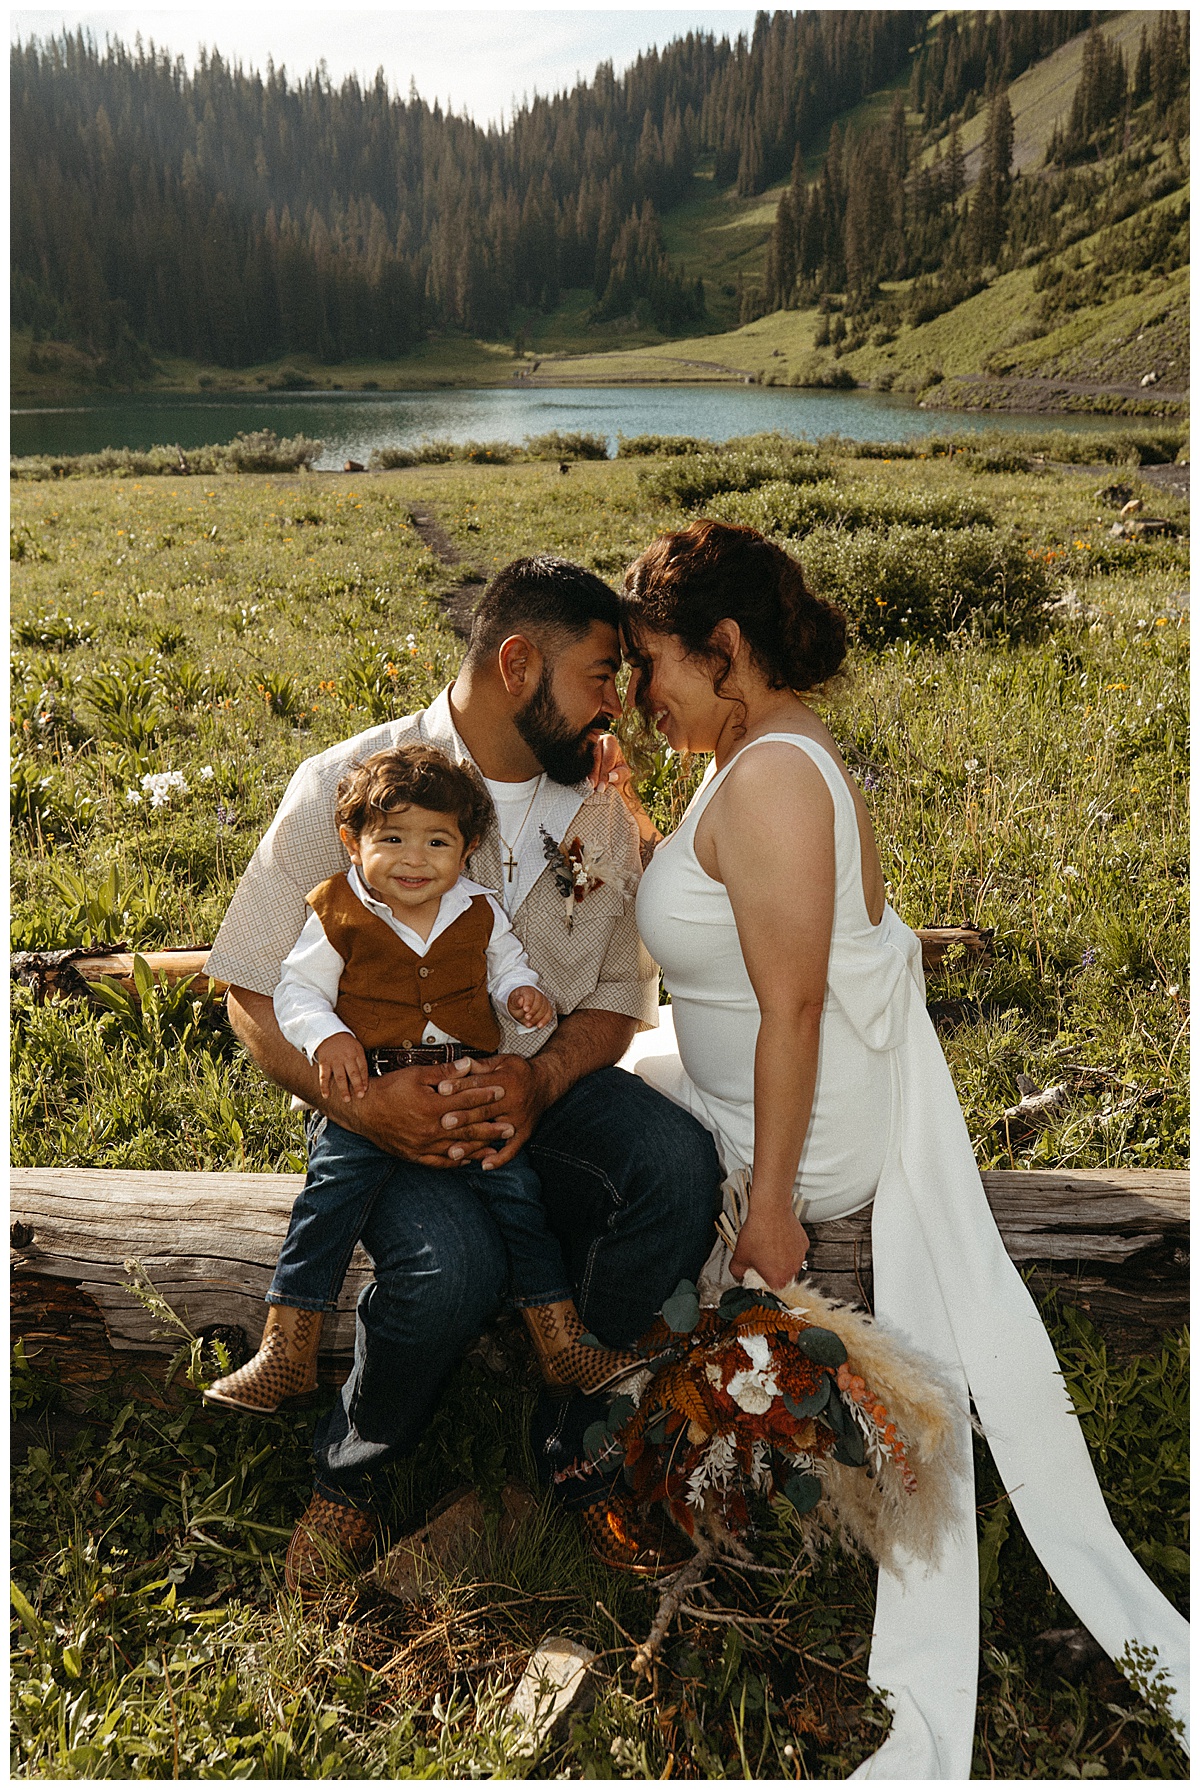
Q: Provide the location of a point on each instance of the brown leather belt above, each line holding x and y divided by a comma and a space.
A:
385, 1060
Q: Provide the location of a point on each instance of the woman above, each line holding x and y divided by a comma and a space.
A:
803, 1044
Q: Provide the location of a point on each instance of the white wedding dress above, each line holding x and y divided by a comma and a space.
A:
886, 1125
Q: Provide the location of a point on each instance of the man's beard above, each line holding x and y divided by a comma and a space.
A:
564, 755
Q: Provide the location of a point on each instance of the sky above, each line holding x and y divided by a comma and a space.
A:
477, 59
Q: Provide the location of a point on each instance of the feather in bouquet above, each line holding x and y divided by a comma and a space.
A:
783, 1394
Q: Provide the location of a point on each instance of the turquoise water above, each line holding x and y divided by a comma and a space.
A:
352, 424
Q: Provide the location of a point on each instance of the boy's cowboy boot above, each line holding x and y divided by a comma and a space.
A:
286, 1363
567, 1363
330, 1542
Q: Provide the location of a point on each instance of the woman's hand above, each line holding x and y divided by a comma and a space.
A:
773, 1242
610, 767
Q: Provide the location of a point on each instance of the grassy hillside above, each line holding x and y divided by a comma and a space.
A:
1041, 97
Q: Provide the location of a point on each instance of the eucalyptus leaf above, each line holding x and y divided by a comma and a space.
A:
808, 1407
681, 1312
803, 1492
836, 1414
735, 1301
589, 1340
850, 1449
620, 1411
596, 1438
822, 1346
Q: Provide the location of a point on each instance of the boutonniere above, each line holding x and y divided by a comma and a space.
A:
578, 870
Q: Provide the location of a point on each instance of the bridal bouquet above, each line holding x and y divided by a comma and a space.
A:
786, 1395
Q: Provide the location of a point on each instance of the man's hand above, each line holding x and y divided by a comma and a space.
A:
401, 1112
342, 1066
495, 1103
407, 1114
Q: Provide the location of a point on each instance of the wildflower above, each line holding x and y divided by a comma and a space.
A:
134, 796
1088, 958
971, 765
1070, 870
225, 816
207, 773
159, 784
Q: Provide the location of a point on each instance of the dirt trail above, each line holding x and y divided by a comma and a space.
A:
459, 601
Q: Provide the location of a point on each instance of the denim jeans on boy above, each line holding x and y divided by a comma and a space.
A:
347, 1174
630, 1187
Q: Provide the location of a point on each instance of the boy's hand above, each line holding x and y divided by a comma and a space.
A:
530, 1006
342, 1066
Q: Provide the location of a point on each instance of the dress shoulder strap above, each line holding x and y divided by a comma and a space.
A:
820, 755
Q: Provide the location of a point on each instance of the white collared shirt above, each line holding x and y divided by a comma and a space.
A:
312, 971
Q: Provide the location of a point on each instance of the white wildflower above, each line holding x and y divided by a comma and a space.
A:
159, 785
206, 773
970, 765
134, 796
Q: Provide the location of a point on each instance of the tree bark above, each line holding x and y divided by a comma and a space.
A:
1116, 1242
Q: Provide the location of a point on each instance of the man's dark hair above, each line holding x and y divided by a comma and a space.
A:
546, 598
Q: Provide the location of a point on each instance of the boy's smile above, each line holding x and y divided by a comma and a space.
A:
409, 859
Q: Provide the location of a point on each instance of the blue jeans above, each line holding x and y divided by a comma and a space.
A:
347, 1174
630, 1187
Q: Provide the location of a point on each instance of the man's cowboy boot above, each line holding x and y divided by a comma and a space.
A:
330, 1542
286, 1363
567, 1363
628, 1539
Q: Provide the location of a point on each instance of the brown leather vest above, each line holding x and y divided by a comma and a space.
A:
387, 994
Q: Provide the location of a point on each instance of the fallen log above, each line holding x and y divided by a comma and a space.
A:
1115, 1242
68, 972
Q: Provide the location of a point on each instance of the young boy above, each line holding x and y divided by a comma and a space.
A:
400, 962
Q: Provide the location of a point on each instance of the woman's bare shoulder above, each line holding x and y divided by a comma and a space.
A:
765, 774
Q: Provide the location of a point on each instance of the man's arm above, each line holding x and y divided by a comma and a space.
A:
403, 1113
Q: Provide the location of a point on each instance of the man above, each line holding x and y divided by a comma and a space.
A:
630, 1180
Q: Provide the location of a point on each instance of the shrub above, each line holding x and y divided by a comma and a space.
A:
569, 446
690, 482
908, 583
641, 447
788, 509
998, 460
260, 451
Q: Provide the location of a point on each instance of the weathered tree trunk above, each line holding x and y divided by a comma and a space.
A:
58, 973
1115, 1241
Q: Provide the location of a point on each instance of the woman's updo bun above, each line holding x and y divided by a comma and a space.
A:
688, 581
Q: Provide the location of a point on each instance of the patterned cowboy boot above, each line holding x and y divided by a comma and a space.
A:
564, 1360
330, 1542
286, 1363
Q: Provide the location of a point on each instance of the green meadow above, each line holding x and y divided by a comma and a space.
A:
1015, 707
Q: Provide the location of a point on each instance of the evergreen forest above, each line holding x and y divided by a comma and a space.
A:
231, 217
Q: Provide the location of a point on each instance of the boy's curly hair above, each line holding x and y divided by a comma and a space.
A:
413, 777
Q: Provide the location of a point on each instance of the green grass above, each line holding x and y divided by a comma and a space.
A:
151, 1639
1028, 778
